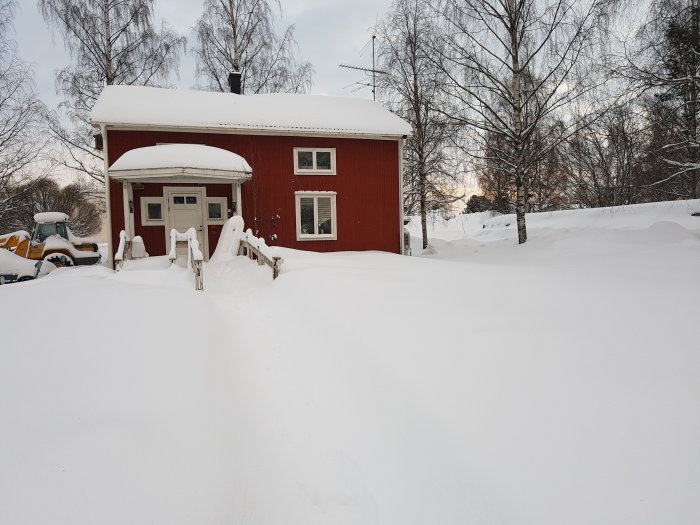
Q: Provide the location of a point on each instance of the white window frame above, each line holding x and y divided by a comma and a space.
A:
334, 216
314, 170
224, 209
145, 221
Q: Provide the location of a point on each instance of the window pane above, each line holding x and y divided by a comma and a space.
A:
323, 160
306, 207
215, 210
61, 230
305, 160
190, 199
154, 211
45, 230
178, 200
325, 218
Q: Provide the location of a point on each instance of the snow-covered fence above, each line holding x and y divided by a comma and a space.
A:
256, 249
235, 241
123, 250
194, 254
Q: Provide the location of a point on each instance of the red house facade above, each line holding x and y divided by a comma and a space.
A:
305, 172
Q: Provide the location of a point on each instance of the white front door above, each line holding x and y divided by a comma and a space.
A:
185, 211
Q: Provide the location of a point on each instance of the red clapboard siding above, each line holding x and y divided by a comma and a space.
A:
367, 184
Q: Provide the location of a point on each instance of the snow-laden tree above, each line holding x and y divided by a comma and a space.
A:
665, 62
110, 42
516, 70
46, 194
240, 35
413, 87
21, 113
606, 163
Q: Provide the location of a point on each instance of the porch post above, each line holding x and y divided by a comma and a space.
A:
130, 192
239, 204
127, 213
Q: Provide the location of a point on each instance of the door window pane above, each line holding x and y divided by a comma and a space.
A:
191, 199
306, 205
305, 160
154, 211
323, 160
179, 200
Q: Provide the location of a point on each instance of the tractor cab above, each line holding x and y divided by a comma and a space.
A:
45, 228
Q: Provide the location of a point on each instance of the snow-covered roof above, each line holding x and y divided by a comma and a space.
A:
279, 112
179, 156
51, 216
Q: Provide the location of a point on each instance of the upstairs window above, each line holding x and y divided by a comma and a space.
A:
314, 161
316, 215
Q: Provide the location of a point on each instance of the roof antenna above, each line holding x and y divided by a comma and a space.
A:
374, 72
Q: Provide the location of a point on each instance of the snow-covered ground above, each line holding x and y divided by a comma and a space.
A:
488, 383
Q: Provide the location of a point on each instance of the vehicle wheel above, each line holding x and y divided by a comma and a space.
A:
60, 260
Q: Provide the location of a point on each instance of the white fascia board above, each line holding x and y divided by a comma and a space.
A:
115, 126
169, 174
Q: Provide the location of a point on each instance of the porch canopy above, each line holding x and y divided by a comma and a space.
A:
180, 163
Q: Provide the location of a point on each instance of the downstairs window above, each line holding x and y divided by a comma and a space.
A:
316, 215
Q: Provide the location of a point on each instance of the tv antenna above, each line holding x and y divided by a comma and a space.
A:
373, 70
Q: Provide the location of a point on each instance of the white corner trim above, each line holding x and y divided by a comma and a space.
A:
108, 197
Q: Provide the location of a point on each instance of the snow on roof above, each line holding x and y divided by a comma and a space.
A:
51, 216
181, 156
283, 112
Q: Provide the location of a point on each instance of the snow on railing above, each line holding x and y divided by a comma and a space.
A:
234, 241
230, 239
194, 253
122, 250
257, 249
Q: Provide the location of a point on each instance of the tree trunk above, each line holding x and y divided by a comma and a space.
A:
693, 139
423, 209
109, 69
520, 203
521, 200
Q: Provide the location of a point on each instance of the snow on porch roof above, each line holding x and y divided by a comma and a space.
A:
179, 157
288, 113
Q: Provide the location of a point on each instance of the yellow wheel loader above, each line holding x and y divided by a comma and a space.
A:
52, 240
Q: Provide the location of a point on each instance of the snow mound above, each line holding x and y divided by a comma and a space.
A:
50, 216
150, 106
545, 384
181, 156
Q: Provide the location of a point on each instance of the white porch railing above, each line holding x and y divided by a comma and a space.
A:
123, 250
257, 249
235, 241
194, 253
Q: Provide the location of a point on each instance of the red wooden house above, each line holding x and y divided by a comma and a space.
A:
305, 171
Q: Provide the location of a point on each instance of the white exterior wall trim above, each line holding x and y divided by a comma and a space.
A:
244, 131
108, 200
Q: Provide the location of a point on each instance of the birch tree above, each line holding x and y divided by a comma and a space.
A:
515, 68
21, 113
665, 62
413, 88
239, 35
111, 42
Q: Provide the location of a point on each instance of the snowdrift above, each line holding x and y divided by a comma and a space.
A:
550, 383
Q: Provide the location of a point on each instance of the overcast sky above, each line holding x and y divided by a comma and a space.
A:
329, 32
